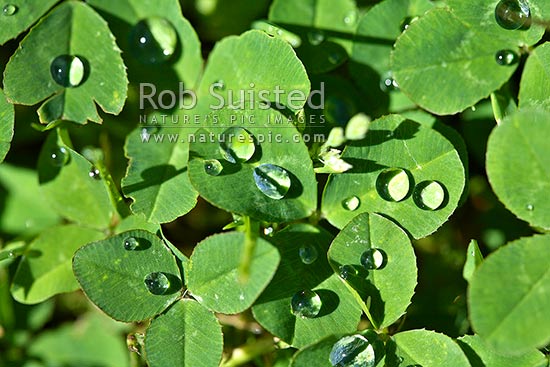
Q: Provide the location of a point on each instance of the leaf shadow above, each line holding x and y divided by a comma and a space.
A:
474, 359
330, 301
406, 130
154, 176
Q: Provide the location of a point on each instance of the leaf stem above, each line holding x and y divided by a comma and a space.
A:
252, 229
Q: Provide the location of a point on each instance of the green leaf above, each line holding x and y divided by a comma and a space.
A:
316, 354
71, 29
199, 339
7, 116
427, 349
45, 270
481, 354
25, 14
213, 276
114, 277
509, 294
67, 186
135, 222
375, 289
325, 27
339, 312
157, 177
277, 142
520, 176
463, 56
474, 258
395, 142
535, 80
503, 103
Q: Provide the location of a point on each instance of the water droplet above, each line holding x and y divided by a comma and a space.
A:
393, 184
406, 22
94, 173
153, 40
513, 14
237, 145
338, 110
219, 84
59, 156
352, 351
347, 271
506, 57
131, 243
157, 283
213, 167
351, 203
308, 254
268, 231
68, 70
350, 18
530, 207
373, 259
306, 304
336, 57
388, 83
316, 37
273, 181
11, 255
429, 195
9, 9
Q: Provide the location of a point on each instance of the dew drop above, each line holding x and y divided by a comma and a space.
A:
506, 57
308, 254
237, 145
350, 18
352, 351
347, 271
306, 304
351, 203
9, 9
213, 167
393, 184
336, 57
59, 156
316, 37
530, 207
273, 181
69, 71
94, 173
429, 195
157, 283
130, 243
513, 14
406, 22
388, 83
373, 259
153, 40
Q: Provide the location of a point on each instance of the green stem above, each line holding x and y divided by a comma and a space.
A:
248, 352
114, 193
252, 229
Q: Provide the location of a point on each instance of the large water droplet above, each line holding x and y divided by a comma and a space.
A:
9, 9
347, 271
213, 167
316, 37
352, 351
68, 70
393, 184
429, 195
157, 283
351, 203
59, 156
388, 83
273, 181
306, 304
308, 254
373, 259
513, 14
237, 145
94, 173
506, 57
153, 40
130, 243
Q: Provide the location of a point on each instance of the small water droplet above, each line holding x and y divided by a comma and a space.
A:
59, 156
373, 259
393, 184
336, 57
153, 40
351, 203
347, 271
157, 283
350, 18
530, 207
94, 173
69, 71
11, 255
268, 231
308, 254
352, 351
316, 37
213, 167
9, 9
513, 14
388, 83
273, 181
429, 195
237, 145
506, 57
406, 22
306, 304
131, 243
